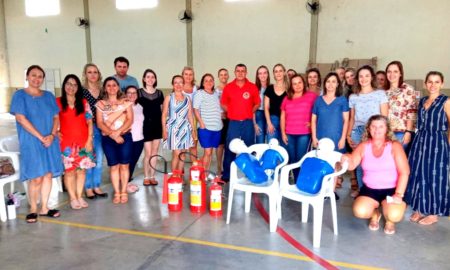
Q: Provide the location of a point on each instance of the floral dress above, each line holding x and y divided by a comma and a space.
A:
74, 135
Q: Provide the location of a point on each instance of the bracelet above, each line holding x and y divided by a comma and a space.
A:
409, 131
399, 194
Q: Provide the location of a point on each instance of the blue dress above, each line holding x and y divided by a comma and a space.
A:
178, 127
35, 159
330, 120
429, 186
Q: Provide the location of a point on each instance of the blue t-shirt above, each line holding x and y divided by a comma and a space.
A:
129, 80
366, 105
330, 120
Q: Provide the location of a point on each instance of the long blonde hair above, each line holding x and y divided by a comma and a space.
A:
84, 79
285, 77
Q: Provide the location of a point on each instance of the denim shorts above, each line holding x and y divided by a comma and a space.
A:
118, 153
209, 138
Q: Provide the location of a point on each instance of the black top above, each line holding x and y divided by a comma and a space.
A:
275, 100
92, 101
151, 104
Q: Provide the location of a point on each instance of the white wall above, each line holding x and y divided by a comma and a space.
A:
252, 32
412, 31
150, 38
52, 42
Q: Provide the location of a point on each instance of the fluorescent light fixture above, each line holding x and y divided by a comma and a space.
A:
36, 8
135, 4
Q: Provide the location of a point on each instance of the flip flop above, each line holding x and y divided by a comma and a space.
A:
375, 225
415, 217
389, 228
31, 218
53, 213
428, 220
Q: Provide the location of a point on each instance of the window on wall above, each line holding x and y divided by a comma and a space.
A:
35, 8
135, 4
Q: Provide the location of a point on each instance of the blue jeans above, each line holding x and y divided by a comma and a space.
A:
236, 129
261, 122
277, 132
135, 154
296, 147
94, 175
357, 133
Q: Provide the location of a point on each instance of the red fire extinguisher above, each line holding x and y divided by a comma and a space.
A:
175, 191
197, 187
215, 198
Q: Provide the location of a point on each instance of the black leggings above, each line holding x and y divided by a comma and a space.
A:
135, 154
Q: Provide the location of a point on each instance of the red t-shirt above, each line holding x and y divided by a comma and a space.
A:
73, 127
240, 101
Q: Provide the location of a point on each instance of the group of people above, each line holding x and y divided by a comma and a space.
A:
373, 124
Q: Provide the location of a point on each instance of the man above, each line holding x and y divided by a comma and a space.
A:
121, 65
240, 99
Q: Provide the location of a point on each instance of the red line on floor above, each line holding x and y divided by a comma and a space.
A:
325, 264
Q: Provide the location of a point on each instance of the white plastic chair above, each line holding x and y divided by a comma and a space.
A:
10, 144
8, 179
315, 200
271, 187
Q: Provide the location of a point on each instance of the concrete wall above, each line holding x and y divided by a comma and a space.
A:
252, 32
225, 33
412, 31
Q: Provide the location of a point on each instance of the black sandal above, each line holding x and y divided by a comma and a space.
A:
53, 213
31, 218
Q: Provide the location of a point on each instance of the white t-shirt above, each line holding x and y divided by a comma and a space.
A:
209, 108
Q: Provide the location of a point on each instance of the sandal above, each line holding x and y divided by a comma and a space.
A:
354, 185
339, 181
389, 228
75, 204
428, 220
132, 188
53, 213
124, 197
415, 217
31, 218
83, 203
116, 198
374, 225
147, 181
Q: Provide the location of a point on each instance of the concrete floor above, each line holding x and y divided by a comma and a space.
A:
144, 235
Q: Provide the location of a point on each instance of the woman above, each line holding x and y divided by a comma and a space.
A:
291, 73
330, 114
177, 122
114, 118
151, 99
364, 102
313, 81
273, 97
208, 112
76, 131
381, 79
223, 80
349, 82
295, 119
402, 103
428, 190
262, 81
37, 120
189, 89
92, 89
386, 172
137, 134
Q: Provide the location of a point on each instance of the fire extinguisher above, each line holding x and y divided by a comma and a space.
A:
197, 187
175, 191
215, 198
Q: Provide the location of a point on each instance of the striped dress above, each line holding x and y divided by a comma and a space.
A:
178, 127
429, 186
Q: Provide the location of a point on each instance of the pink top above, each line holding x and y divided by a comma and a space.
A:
298, 113
379, 172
